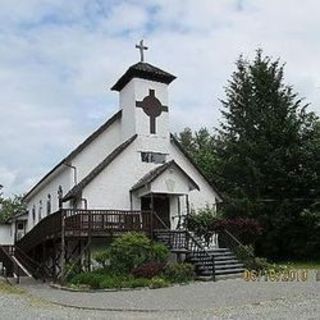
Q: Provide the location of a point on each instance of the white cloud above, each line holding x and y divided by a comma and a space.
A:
59, 58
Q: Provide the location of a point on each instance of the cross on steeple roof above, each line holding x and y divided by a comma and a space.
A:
141, 47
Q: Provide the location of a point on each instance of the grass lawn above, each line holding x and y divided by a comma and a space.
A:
301, 264
9, 289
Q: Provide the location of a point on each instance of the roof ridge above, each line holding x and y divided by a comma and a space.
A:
186, 154
156, 172
77, 150
100, 167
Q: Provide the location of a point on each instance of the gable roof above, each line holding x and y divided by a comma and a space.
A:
101, 166
186, 154
77, 150
143, 70
155, 173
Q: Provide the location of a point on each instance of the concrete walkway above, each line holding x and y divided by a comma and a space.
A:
199, 296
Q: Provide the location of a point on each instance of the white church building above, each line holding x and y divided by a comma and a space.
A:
130, 157
129, 174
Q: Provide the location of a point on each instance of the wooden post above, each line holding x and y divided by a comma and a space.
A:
151, 217
63, 251
187, 204
89, 241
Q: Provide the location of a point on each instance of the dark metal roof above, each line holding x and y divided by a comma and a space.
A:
143, 70
76, 151
186, 154
85, 181
153, 174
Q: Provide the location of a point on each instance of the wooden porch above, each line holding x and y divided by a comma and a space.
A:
84, 223
65, 237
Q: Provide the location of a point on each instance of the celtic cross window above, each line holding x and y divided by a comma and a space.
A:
152, 107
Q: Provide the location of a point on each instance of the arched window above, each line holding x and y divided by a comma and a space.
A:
40, 210
34, 213
49, 204
60, 196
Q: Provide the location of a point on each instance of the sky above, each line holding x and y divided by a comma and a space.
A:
58, 60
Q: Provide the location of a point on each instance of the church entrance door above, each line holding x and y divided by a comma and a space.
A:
160, 204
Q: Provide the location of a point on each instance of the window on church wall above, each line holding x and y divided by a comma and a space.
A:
34, 213
40, 210
153, 157
49, 204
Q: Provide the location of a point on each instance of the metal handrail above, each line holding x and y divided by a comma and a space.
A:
238, 242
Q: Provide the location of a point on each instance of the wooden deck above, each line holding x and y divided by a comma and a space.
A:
86, 223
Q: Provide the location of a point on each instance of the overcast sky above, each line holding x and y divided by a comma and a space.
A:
59, 58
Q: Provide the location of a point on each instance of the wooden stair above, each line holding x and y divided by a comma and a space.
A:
224, 264
213, 263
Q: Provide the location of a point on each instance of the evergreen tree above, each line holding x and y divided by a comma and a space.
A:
200, 146
267, 150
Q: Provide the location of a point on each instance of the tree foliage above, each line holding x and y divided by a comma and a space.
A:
10, 206
265, 156
266, 149
200, 146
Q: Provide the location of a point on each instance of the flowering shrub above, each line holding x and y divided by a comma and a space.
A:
149, 269
205, 223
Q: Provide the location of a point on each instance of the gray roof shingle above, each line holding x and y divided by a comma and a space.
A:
77, 150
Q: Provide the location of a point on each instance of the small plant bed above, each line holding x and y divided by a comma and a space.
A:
132, 261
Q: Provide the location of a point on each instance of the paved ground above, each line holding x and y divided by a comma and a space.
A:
230, 299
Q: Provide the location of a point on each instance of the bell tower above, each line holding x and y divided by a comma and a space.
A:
143, 98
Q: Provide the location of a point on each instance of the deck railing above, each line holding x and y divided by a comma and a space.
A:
100, 222
78, 222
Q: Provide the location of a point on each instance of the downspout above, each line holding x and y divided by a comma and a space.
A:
74, 168
131, 204
75, 181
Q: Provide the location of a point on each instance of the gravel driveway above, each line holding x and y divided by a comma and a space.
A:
229, 299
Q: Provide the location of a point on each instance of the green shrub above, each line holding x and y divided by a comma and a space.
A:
108, 281
179, 272
137, 283
158, 282
257, 264
89, 278
102, 258
132, 250
111, 282
244, 253
202, 223
129, 251
159, 252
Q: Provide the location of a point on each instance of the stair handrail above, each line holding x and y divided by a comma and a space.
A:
203, 249
239, 243
34, 264
8, 260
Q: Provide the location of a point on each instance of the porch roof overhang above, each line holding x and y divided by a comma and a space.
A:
175, 180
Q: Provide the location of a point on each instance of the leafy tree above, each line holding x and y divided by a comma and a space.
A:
200, 146
266, 150
10, 206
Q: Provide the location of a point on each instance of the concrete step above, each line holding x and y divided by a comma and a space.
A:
229, 266
220, 268
224, 258
229, 271
225, 261
229, 276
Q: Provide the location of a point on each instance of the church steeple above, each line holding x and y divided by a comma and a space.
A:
143, 91
143, 70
